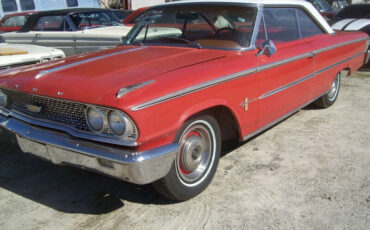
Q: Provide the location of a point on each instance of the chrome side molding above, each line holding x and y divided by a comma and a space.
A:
245, 73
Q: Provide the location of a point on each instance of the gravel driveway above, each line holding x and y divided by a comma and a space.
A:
311, 171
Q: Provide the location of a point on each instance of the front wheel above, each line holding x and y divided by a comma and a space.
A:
330, 97
196, 160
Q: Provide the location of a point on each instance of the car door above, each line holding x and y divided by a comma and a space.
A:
286, 76
313, 34
55, 31
93, 34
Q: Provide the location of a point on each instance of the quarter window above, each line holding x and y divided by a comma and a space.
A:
9, 5
27, 4
307, 25
72, 3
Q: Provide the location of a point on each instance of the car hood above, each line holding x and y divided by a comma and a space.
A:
88, 78
30, 53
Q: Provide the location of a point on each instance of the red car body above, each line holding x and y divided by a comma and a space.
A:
167, 86
4, 28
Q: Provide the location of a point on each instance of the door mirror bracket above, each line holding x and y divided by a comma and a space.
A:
268, 48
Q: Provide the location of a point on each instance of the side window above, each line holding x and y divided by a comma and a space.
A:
281, 24
14, 21
307, 25
52, 23
72, 3
9, 5
27, 4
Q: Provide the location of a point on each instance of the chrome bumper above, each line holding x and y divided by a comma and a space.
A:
367, 56
59, 148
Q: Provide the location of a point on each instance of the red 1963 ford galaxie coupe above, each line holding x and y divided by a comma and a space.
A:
188, 76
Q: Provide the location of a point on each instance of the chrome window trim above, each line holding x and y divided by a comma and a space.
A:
259, 17
45, 72
237, 75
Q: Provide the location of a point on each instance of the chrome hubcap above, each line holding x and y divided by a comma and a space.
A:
332, 94
195, 153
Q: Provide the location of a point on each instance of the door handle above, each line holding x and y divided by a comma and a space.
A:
38, 35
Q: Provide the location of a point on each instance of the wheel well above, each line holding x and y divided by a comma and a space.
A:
228, 125
346, 72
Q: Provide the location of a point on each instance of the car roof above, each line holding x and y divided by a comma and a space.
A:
18, 14
308, 7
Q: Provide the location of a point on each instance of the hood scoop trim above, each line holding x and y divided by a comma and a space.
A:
45, 72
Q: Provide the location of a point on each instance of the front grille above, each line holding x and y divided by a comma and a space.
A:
67, 113
60, 112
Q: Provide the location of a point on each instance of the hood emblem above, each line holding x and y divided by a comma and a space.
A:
130, 88
34, 108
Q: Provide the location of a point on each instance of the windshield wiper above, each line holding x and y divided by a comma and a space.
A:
188, 42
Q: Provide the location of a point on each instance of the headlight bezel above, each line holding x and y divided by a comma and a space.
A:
103, 119
131, 132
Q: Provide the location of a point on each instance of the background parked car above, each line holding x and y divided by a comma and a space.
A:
337, 4
324, 8
353, 17
14, 22
131, 19
74, 31
13, 55
14, 6
121, 14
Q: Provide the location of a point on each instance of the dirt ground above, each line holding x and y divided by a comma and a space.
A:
311, 171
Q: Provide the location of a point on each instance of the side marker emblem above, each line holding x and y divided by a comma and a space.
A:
245, 104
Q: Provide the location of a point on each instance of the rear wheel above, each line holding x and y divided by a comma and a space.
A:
330, 97
196, 160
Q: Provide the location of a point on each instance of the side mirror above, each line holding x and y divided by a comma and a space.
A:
268, 48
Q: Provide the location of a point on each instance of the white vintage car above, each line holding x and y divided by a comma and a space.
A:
13, 55
75, 31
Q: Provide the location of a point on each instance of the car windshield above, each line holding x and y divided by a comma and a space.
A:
226, 26
94, 19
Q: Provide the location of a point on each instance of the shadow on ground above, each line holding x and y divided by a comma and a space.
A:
72, 190
69, 189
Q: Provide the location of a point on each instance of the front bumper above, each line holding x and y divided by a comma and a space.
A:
60, 148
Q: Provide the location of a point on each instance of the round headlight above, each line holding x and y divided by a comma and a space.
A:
117, 122
3, 99
95, 119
